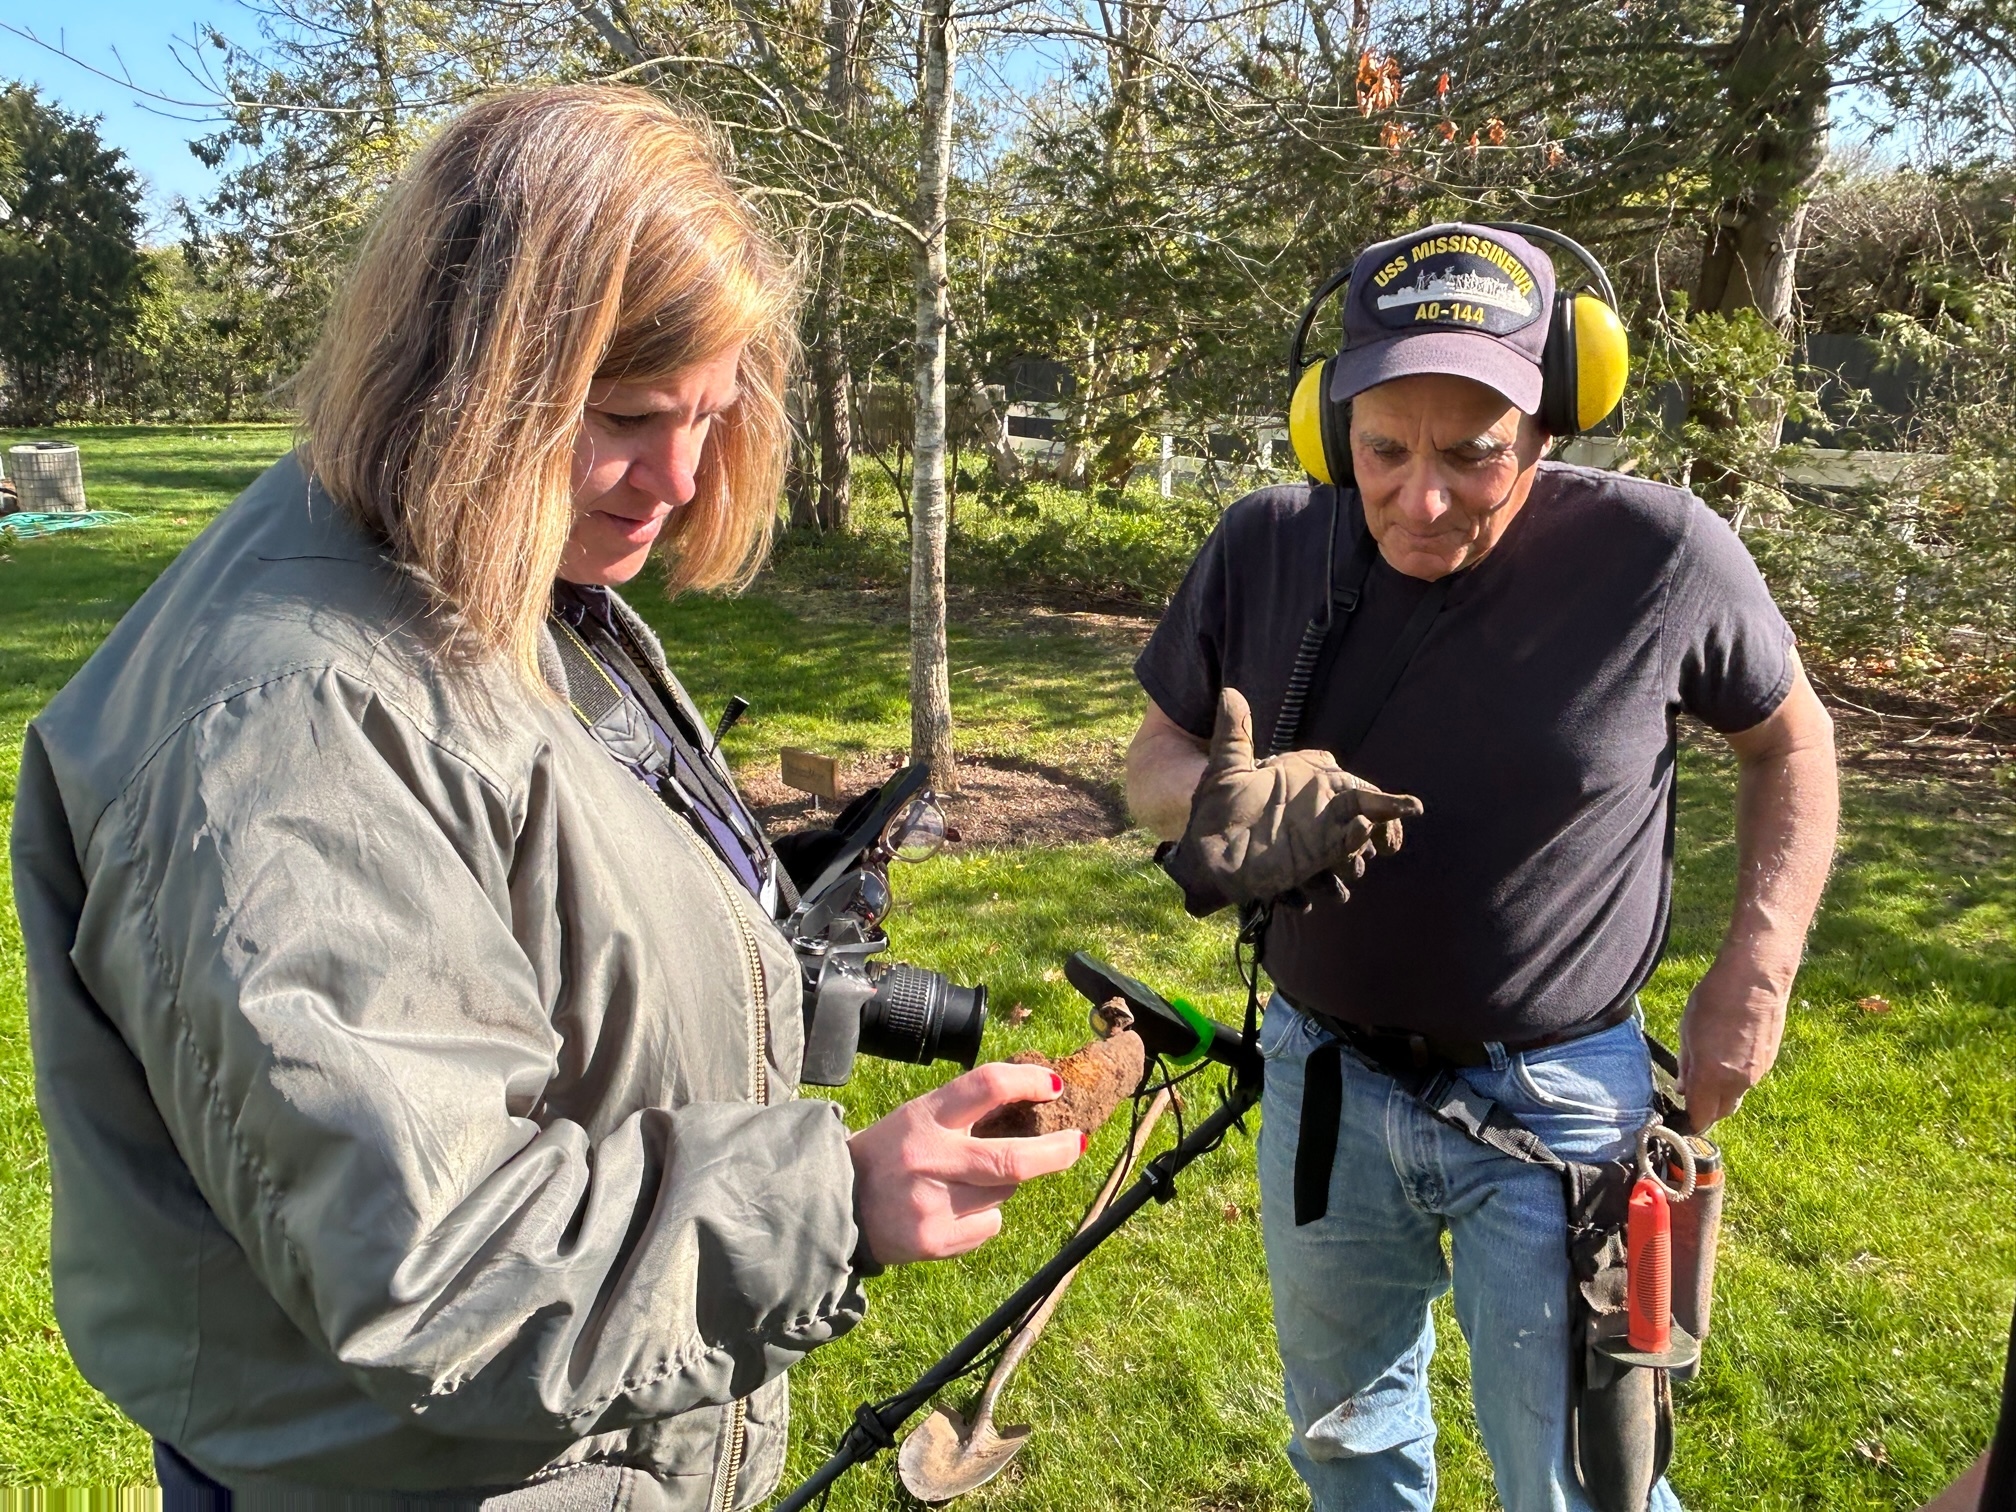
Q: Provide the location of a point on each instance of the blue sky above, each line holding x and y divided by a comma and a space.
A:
107, 34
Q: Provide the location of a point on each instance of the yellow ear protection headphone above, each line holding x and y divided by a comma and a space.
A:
1582, 366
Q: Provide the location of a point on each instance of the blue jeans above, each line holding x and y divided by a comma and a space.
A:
184, 1488
1352, 1290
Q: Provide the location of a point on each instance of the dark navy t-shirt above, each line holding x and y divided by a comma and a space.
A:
1535, 722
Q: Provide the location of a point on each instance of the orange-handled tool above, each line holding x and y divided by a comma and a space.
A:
1648, 1243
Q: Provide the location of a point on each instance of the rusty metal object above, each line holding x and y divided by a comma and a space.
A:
945, 1456
1097, 1079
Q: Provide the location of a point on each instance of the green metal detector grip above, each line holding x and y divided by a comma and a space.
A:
1195, 1017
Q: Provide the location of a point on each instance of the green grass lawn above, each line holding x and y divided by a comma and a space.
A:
1869, 1262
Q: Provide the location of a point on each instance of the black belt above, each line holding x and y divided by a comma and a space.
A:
1430, 1052
1399, 1053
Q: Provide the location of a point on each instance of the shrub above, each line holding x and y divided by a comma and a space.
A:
1908, 586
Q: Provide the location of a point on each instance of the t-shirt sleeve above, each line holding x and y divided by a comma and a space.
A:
1183, 665
1733, 646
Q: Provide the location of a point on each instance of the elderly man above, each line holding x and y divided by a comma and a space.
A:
1573, 614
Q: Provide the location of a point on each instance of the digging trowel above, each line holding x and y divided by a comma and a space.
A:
946, 1456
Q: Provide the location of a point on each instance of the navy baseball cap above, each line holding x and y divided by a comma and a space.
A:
1459, 299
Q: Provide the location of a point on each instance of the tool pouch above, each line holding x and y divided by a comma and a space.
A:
1697, 1219
1697, 1232
1620, 1426
1621, 1422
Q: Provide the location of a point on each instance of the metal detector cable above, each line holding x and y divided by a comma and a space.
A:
1288, 723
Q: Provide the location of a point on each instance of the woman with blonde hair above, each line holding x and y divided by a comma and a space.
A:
417, 1061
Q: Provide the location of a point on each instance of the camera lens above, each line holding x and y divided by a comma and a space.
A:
920, 1016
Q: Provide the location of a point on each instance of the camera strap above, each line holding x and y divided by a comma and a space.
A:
619, 710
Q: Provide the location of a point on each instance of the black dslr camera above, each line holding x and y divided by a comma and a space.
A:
891, 1009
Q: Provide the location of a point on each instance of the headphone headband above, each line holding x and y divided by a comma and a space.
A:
1567, 244
1329, 286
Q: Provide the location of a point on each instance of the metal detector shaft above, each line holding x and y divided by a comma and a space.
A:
1157, 1181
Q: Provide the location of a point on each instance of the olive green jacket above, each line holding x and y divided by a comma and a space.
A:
420, 1091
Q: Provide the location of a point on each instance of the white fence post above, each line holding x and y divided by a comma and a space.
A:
1168, 466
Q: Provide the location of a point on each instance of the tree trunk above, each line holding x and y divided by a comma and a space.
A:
832, 397
930, 682
1776, 91
1132, 30
989, 406
801, 492
843, 32
832, 379
1073, 468
381, 64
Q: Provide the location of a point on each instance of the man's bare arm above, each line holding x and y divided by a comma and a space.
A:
1787, 807
1165, 763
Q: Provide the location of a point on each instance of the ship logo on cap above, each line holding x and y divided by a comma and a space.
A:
1454, 284
1462, 281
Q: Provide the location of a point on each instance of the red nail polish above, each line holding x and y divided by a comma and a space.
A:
1056, 1082
1084, 1139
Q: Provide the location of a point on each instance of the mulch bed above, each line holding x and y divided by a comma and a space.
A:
1888, 736
998, 803
1897, 749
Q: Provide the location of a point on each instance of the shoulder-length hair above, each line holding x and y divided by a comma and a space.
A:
544, 240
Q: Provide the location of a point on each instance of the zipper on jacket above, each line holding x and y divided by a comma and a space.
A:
759, 999
759, 1090
759, 993
731, 1462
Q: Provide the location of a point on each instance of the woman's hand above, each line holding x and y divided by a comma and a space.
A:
926, 1189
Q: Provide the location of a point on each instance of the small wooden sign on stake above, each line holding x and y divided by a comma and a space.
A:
809, 772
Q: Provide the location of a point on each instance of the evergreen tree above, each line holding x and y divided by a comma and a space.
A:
70, 265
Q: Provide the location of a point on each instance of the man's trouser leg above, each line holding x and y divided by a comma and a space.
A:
1351, 1294
1585, 1099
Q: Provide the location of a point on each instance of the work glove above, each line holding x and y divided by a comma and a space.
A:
1266, 831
